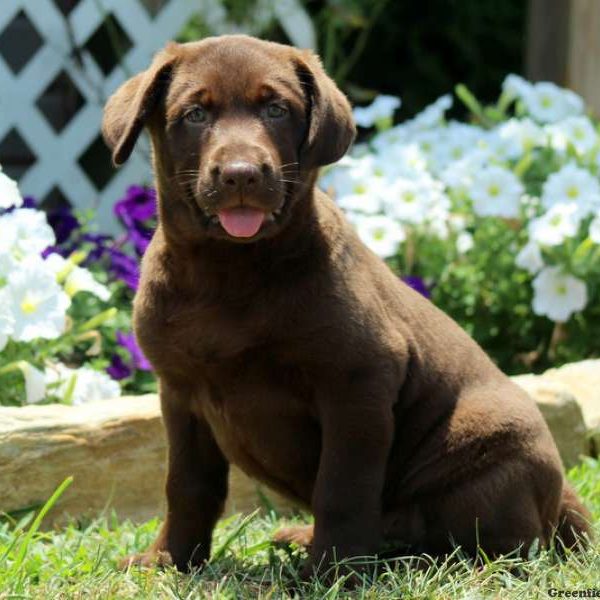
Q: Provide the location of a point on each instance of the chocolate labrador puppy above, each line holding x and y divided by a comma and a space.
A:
285, 346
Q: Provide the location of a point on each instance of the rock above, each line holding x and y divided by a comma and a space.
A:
562, 414
582, 379
115, 449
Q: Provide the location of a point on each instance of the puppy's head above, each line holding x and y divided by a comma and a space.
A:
237, 126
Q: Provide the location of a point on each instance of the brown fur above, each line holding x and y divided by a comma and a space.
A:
297, 354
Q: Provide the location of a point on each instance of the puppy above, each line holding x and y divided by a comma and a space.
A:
284, 346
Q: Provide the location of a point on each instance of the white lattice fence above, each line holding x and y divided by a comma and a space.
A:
49, 54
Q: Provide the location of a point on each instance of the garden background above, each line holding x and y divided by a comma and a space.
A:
67, 57
475, 175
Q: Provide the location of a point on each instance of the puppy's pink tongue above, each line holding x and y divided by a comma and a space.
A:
241, 221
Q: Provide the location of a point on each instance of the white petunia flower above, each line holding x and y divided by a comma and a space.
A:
577, 131
412, 200
391, 138
464, 242
572, 184
349, 176
7, 264
58, 265
26, 232
496, 192
402, 160
520, 136
429, 142
555, 226
35, 383
438, 223
459, 174
78, 386
359, 150
548, 103
380, 233
37, 303
367, 202
594, 231
81, 280
457, 141
515, 86
530, 258
7, 321
558, 295
76, 279
381, 108
9, 192
432, 115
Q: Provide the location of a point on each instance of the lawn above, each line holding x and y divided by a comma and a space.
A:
79, 562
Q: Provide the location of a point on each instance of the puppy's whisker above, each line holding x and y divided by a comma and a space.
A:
183, 178
186, 174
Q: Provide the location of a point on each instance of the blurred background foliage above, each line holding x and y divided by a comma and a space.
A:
415, 50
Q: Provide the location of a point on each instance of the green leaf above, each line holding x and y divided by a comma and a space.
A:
469, 100
233, 536
22, 552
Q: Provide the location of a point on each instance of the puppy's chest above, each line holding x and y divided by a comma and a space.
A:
207, 337
262, 416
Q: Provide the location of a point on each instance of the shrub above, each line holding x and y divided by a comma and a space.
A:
60, 338
498, 219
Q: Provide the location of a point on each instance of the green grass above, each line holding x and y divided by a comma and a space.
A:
80, 562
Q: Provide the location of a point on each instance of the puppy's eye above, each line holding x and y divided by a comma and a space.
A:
196, 115
276, 111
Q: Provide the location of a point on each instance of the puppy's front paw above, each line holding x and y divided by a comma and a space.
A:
302, 535
149, 559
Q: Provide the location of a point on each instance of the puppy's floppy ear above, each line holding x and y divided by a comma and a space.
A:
331, 124
129, 108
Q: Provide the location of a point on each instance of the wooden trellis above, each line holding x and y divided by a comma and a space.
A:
55, 76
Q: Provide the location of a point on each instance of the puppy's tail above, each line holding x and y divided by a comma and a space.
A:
573, 529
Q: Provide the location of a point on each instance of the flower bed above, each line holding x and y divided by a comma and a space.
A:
65, 301
497, 219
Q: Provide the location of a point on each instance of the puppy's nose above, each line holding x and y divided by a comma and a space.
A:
240, 176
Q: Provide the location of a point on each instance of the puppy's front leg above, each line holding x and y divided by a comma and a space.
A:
357, 433
196, 486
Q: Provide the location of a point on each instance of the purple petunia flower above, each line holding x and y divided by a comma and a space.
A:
140, 237
417, 284
54, 250
28, 202
127, 341
138, 204
98, 243
63, 222
118, 369
135, 210
124, 267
